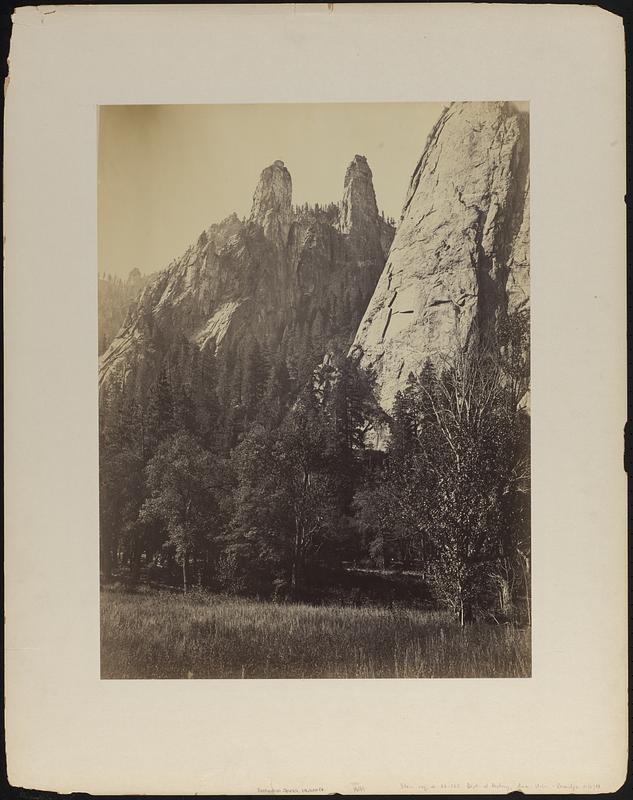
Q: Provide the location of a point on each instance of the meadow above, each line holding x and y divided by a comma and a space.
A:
152, 633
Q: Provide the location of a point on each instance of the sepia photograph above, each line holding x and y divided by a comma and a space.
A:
314, 418
316, 383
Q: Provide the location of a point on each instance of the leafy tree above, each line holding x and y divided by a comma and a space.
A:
120, 474
345, 393
181, 481
301, 468
513, 342
476, 454
393, 504
258, 542
285, 495
450, 495
120, 495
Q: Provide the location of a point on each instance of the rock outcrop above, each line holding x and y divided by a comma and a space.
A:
115, 297
359, 210
283, 273
272, 203
459, 261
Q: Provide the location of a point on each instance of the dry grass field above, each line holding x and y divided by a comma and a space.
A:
162, 634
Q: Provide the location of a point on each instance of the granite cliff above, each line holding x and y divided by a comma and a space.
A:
459, 262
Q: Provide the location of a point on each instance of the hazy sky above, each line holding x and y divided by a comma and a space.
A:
168, 172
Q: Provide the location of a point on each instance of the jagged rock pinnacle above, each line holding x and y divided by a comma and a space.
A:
358, 206
272, 202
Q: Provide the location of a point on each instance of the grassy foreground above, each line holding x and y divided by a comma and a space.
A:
159, 634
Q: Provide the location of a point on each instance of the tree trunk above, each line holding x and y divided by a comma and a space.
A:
135, 560
115, 556
504, 596
106, 560
525, 568
297, 576
184, 574
296, 582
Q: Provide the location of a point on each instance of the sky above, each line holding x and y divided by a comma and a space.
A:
168, 172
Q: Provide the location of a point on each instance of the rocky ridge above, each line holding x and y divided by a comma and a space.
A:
284, 269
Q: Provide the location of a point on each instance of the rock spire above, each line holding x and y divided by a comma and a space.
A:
272, 203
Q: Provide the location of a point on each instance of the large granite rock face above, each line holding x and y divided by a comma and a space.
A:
283, 272
459, 261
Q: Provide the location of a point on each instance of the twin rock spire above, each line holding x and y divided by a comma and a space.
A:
272, 201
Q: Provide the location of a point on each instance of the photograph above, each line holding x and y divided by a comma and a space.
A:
314, 390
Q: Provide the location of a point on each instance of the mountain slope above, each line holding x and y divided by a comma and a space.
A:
115, 298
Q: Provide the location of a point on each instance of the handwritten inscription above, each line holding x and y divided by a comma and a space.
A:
290, 790
492, 786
